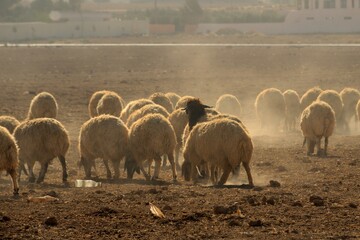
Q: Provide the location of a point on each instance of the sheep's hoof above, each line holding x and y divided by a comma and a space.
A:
31, 179
39, 180
66, 184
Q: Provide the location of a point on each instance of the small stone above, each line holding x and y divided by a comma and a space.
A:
153, 191
297, 204
274, 184
256, 223
167, 208
317, 201
51, 221
353, 205
52, 194
234, 223
281, 169
4, 219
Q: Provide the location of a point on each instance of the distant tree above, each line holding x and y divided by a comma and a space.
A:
192, 12
6, 7
42, 6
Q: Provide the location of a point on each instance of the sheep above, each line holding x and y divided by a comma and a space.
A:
162, 100
223, 143
42, 140
292, 112
334, 100
147, 109
9, 157
174, 98
9, 122
350, 98
105, 137
229, 104
95, 98
309, 96
270, 108
150, 137
357, 113
133, 106
43, 105
183, 101
109, 103
179, 120
317, 121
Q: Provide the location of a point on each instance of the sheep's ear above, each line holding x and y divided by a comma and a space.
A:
205, 106
184, 109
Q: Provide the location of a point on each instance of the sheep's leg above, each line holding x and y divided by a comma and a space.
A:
157, 167
63, 166
177, 154
147, 176
194, 173
149, 167
15, 183
87, 167
31, 172
43, 170
108, 172
326, 145
224, 176
318, 146
173, 166
248, 173
213, 174
116, 165
164, 162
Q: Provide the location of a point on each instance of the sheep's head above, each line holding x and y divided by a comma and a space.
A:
195, 110
131, 166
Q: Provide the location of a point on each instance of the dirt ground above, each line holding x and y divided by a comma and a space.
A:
318, 197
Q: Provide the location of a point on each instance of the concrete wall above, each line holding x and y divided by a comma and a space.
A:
296, 22
161, 28
32, 31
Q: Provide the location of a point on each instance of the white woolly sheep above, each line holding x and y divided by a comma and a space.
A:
150, 138
196, 112
317, 121
309, 96
350, 98
222, 144
183, 101
228, 104
174, 98
292, 112
43, 105
9, 122
9, 157
42, 140
94, 100
162, 100
147, 109
270, 108
104, 137
109, 103
334, 100
133, 106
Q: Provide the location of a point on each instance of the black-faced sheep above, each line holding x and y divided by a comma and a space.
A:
334, 100
270, 108
317, 121
42, 140
228, 104
43, 105
350, 98
150, 138
174, 98
9, 122
292, 112
208, 143
148, 109
133, 106
183, 101
9, 157
309, 96
104, 137
95, 98
109, 103
162, 100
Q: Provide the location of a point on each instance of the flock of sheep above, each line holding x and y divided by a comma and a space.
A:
214, 141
